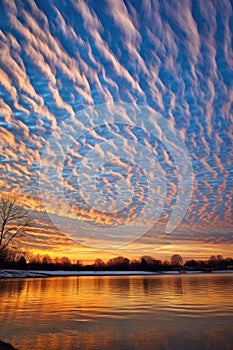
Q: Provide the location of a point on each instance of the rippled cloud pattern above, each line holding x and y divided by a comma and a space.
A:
59, 58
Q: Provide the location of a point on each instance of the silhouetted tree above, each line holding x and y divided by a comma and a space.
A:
35, 259
99, 264
166, 265
65, 261
148, 259
150, 263
118, 262
144, 264
216, 261
78, 265
13, 220
135, 264
191, 263
3, 256
22, 263
46, 259
166, 262
176, 260
229, 261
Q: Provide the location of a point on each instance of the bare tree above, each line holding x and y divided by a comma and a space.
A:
99, 263
176, 260
14, 220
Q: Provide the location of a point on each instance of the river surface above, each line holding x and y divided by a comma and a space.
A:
118, 312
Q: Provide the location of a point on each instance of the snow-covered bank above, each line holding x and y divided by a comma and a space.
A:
33, 273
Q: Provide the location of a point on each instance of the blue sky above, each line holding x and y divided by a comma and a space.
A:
166, 60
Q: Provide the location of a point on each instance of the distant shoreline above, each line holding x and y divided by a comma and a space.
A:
5, 273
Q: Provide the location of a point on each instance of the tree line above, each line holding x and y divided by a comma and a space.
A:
14, 221
24, 260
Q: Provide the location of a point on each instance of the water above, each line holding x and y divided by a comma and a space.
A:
128, 312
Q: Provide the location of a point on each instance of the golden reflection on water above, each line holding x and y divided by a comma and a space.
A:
128, 312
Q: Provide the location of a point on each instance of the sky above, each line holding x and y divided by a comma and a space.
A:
116, 125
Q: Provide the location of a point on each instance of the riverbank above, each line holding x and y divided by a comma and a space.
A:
5, 273
10, 273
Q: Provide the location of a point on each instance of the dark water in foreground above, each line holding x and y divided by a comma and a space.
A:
128, 312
